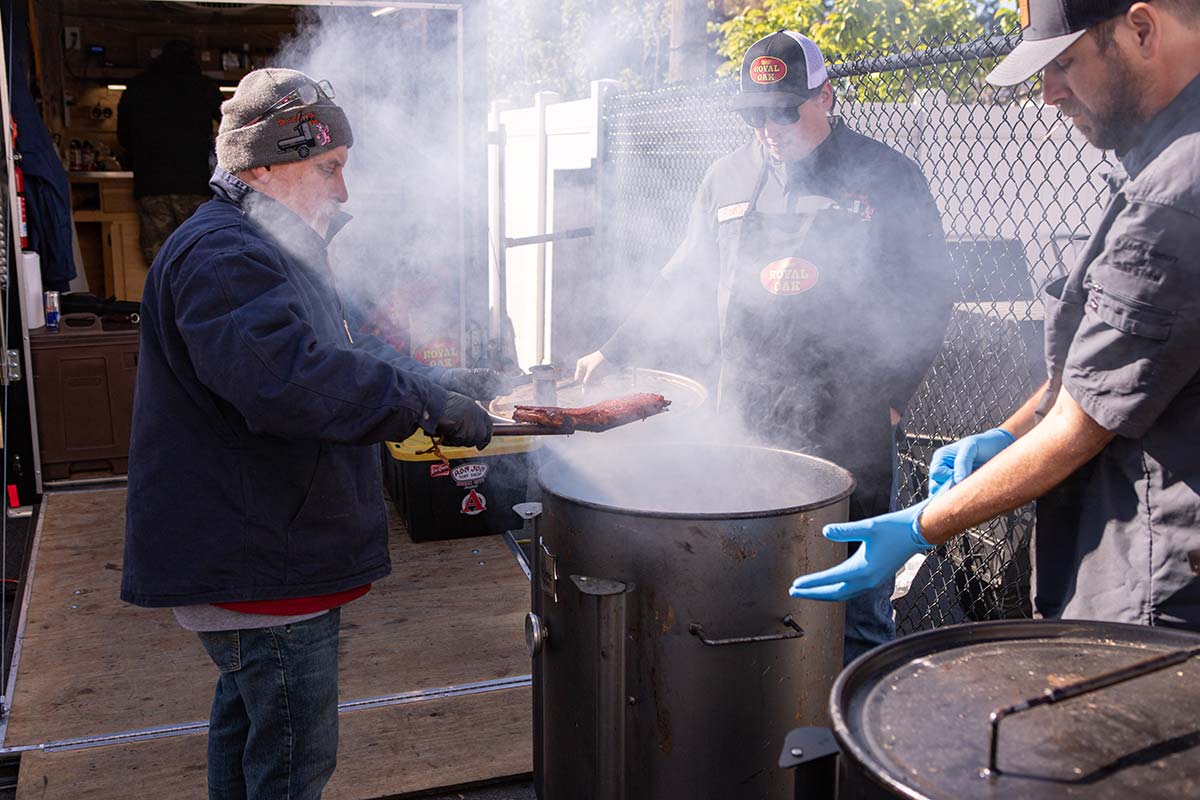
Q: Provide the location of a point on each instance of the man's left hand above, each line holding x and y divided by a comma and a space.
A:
478, 384
888, 541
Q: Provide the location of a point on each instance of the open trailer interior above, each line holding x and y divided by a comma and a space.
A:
106, 700
406, 72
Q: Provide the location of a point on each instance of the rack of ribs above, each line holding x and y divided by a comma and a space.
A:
597, 417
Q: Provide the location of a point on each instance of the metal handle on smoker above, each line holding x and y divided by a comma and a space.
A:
1085, 686
697, 630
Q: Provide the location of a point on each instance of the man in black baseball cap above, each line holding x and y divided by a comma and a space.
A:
1108, 445
817, 257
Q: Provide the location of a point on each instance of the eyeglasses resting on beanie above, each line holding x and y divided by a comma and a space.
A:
308, 94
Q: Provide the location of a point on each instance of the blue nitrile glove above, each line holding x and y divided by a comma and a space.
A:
952, 463
888, 541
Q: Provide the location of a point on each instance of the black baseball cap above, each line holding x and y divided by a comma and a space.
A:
1049, 27
780, 70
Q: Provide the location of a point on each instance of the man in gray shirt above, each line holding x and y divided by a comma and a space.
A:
1110, 446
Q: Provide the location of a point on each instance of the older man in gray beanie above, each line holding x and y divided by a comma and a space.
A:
255, 506
281, 117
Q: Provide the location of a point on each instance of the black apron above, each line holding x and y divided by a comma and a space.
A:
798, 366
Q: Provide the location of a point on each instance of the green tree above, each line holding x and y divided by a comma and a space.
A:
847, 29
562, 45
1005, 18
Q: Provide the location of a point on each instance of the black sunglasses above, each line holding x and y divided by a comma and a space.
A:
757, 117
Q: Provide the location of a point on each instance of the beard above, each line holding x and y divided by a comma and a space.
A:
1116, 123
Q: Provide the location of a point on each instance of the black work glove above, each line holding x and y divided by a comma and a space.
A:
481, 384
463, 423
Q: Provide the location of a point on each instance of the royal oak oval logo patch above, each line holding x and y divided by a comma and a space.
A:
789, 276
767, 69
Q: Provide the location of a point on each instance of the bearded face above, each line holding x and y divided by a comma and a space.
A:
1095, 85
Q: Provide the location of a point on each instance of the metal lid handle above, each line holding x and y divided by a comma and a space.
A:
1085, 686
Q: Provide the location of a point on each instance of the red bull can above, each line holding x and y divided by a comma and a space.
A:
53, 307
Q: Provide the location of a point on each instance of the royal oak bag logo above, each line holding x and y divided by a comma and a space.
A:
788, 276
767, 69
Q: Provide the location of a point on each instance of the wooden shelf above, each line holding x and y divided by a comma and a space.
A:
107, 199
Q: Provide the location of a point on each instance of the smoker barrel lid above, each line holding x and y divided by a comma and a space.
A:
683, 392
694, 480
915, 713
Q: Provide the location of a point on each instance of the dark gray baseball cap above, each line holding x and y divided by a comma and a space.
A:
1049, 27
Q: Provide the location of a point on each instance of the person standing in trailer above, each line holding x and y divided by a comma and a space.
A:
165, 123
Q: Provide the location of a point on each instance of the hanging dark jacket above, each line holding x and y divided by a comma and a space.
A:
250, 471
47, 195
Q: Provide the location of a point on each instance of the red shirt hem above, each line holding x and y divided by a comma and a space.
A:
293, 606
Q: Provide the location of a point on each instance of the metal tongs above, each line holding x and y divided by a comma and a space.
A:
527, 429
545, 393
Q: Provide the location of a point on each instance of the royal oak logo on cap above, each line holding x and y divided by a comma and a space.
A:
767, 69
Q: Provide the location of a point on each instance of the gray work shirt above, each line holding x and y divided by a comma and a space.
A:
1123, 339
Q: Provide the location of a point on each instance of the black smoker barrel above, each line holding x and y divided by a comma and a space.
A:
669, 661
1097, 710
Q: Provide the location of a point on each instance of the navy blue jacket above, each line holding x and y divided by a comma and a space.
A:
251, 475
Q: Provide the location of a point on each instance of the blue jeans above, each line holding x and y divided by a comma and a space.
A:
870, 619
273, 730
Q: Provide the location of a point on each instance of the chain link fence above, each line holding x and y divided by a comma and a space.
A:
1016, 191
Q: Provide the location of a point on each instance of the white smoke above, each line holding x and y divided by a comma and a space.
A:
396, 75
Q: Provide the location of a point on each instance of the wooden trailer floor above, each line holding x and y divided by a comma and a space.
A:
111, 700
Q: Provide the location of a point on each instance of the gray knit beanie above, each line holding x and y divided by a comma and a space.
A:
291, 132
